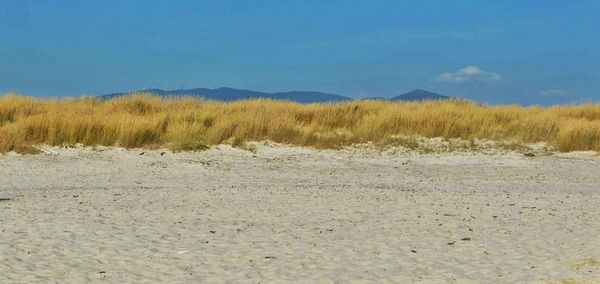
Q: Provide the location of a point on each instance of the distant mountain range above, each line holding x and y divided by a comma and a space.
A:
230, 94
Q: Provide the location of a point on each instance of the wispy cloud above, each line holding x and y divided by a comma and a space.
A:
386, 37
556, 93
469, 74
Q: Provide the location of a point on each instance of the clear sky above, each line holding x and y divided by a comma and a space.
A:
508, 51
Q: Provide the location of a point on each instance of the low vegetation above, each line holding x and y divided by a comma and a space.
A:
142, 120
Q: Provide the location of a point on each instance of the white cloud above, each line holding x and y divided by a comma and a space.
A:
556, 93
469, 74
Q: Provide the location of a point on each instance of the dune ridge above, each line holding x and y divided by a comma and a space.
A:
143, 120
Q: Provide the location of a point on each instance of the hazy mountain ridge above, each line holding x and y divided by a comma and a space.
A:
231, 94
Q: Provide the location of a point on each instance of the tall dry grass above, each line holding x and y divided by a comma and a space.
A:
143, 120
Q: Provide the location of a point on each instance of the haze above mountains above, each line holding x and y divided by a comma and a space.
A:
231, 94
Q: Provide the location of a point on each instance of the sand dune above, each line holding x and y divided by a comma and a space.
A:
298, 215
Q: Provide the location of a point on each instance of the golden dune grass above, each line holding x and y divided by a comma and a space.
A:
142, 120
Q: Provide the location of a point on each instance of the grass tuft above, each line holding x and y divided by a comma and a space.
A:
143, 120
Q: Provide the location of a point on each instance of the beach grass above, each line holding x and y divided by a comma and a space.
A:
144, 120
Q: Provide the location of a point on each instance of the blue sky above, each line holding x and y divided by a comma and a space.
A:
527, 52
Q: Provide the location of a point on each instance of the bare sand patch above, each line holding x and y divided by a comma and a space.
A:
297, 214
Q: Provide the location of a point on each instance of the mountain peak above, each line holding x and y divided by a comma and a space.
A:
419, 95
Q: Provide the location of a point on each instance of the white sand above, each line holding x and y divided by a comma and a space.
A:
298, 215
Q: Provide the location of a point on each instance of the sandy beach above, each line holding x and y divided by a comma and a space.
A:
292, 214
